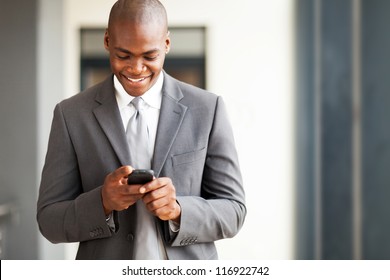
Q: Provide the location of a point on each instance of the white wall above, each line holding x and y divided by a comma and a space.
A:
250, 63
50, 84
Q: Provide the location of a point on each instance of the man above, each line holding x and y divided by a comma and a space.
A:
196, 196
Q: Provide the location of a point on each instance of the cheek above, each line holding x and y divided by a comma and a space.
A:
116, 65
156, 66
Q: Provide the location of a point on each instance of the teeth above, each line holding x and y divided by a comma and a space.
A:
136, 80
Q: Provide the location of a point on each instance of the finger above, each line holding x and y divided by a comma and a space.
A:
129, 200
155, 204
123, 181
131, 190
164, 210
155, 184
158, 194
120, 173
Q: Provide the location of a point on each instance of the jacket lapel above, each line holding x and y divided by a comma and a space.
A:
109, 119
171, 117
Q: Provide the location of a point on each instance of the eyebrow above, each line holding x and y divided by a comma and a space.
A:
129, 52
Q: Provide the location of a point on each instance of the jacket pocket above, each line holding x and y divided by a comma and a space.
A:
188, 157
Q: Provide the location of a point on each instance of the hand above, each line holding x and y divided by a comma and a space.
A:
160, 199
116, 193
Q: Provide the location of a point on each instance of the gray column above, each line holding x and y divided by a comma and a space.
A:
343, 142
18, 126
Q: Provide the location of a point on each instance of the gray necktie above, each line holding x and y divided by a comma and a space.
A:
138, 136
148, 246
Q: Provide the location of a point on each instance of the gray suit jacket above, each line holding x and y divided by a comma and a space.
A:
194, 147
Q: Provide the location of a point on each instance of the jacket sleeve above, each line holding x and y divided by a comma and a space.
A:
64, 212
219, 212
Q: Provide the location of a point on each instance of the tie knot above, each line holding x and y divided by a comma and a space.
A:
138, 103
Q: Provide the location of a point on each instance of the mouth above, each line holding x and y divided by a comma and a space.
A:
138, 80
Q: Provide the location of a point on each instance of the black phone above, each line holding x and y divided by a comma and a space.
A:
140, 176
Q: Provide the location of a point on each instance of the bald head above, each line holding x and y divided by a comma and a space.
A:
139, 12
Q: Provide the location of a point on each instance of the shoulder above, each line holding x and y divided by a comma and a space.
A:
188, 93
91, 96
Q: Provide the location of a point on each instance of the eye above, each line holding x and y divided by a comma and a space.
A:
122, 57
151, 58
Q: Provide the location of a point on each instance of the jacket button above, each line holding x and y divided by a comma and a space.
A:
99, 231
130, 237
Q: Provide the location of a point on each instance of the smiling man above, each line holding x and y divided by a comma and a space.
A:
141, 118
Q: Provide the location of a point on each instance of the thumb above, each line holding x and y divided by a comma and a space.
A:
121, 172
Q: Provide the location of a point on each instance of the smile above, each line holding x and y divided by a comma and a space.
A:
137, 80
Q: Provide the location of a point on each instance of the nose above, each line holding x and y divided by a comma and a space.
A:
135, 66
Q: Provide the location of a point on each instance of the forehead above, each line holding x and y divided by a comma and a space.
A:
125, 30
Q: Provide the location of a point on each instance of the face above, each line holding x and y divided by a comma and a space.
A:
137, 54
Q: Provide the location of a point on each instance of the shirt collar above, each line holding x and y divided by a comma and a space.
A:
152, 97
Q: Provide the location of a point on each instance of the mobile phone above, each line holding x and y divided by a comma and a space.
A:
140, 176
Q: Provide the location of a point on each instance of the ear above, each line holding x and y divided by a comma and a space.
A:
167, 43
106, 40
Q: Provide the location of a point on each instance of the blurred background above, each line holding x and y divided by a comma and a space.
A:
306, 86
